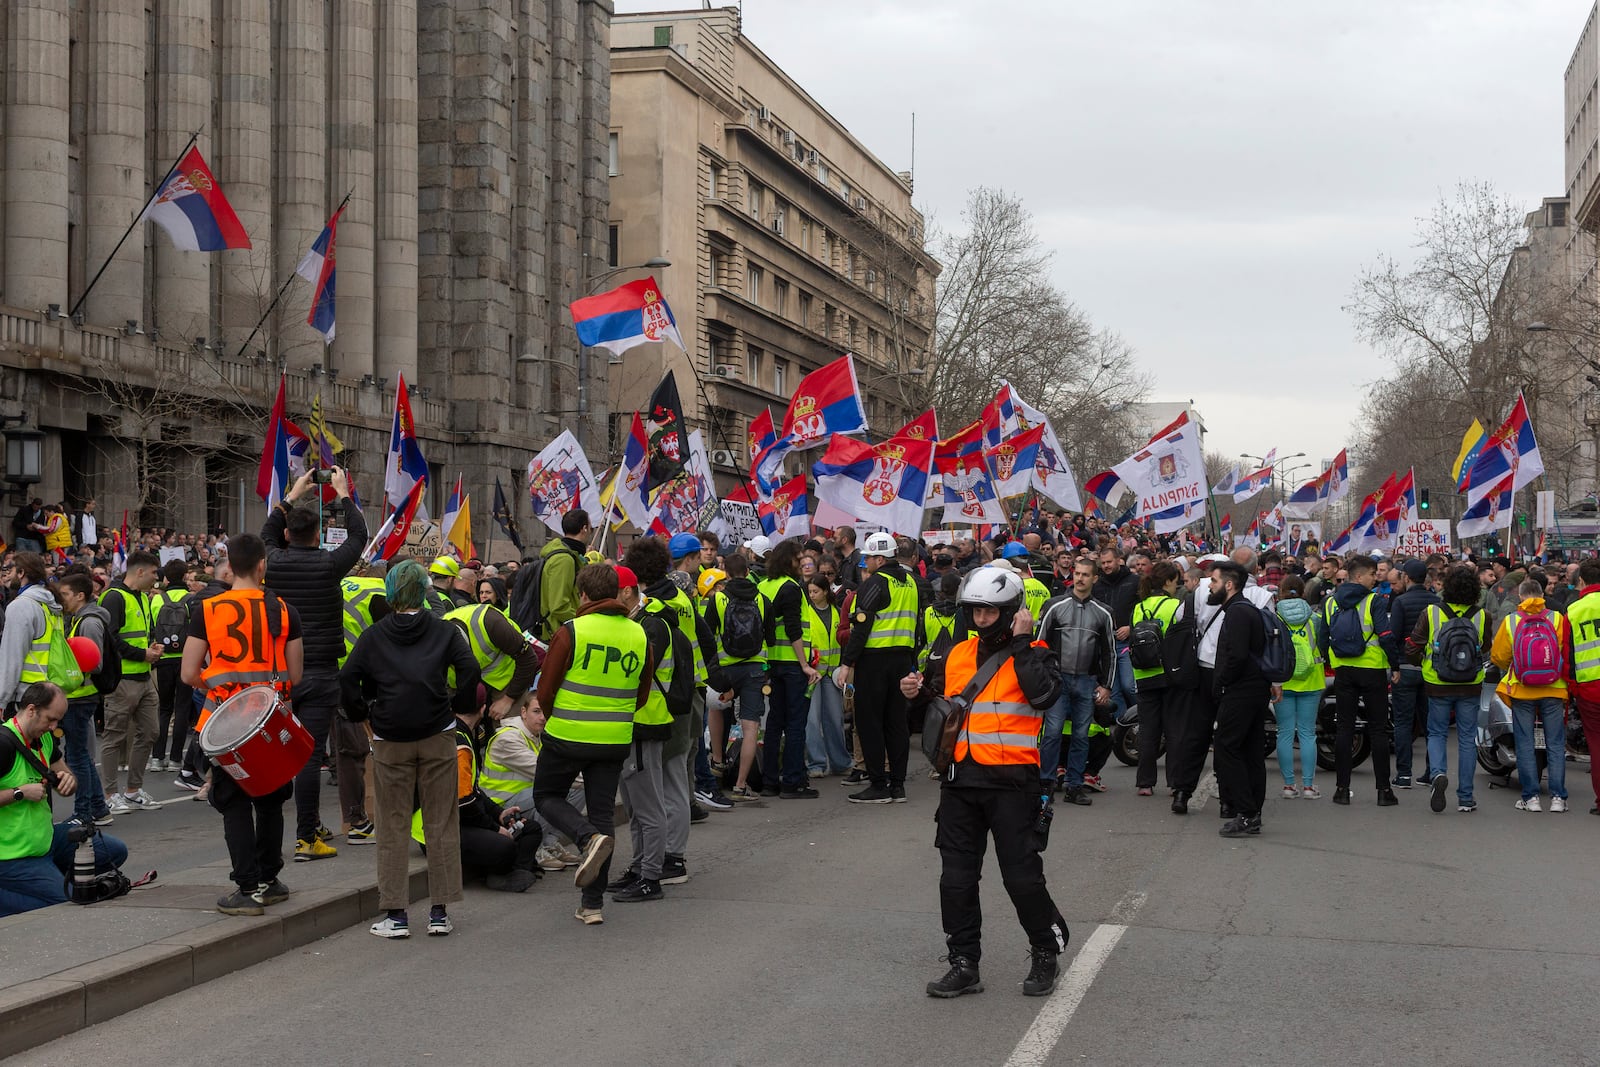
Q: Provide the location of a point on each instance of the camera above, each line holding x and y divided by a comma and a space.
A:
322, 476
78, 833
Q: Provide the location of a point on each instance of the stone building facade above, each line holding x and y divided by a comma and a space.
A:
791, 243
470, 137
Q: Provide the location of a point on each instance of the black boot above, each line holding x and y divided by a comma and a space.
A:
1041, 980
1225, 811
1180, 803
1341, 795
962, 977
1387, 799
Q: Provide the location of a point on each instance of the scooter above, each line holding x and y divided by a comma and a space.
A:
1327, 729
1497, 746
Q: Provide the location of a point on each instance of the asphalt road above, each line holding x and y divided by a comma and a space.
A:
807, 932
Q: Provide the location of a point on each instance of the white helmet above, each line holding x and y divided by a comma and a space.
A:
992, 587
878, 544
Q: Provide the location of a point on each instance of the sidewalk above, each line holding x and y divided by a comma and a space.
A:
69, 967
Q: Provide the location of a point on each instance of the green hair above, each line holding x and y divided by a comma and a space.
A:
405, 585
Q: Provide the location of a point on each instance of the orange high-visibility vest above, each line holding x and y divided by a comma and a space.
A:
1002, 728
243, 651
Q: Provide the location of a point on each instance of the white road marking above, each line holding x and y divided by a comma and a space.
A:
1051, 1022
1204, 792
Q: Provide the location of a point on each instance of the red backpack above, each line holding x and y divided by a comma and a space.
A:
1537, 657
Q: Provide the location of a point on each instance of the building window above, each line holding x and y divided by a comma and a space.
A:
713, 181
872, 343
805, 233
755, 201
716, 267
780, 372
804, 315
753, 367
780, 296
1558, 214
850, 264
780, 217
614, 159
613, 245
753, 277
823, 175
850, 337
663, 36
830, 320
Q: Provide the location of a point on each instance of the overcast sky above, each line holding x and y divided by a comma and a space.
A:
1210, 174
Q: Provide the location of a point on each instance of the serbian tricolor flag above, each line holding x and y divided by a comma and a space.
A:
827, 401
1012, 462
761, 435
966, 443
391, 536
1340, 542
630, 488
788, 512
1253, 531
272, 476
1512, 449
1225, 531
1492, 511
404, 466
883, 484
191, 208
1105, 485
316, 267
1251, 484
924, 427
1399, 504
632, 314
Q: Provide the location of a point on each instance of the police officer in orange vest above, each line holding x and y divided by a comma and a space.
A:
992, 788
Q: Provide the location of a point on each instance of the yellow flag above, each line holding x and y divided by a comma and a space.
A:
319, 427
1471, 444
460, 532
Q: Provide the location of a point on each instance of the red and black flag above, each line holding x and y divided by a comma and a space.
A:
663, 427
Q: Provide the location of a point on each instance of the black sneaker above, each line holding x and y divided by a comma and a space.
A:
1401, 781
673, 871
1180, 803
1387, 799
804, 792
771, 791
1341, 795
962, 977
855, 777
239, 902
273, 892
1436, 790
1077, 796
873, 794
1041, 980
1241, 826
897, 793
641, 890
623, 881
698, 814
714, 800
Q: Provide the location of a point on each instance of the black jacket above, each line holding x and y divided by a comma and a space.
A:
308, 578
1404, 611
1120, 593
395, 676
1041, 684
1243, 638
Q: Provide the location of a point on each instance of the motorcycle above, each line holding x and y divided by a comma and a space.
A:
1327, 729
1497, 746
1125, 738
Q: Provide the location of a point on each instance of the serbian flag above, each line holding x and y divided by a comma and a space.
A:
1176, 518
457, 522
1399, 504
1225, 531
391, 536
1252, 533
1105, 485
1492, 510
316, 267
1008, 415
788, 512
827, 401
630, 487
404, 466
924, 427
1340, 542
191, 208
969, 494
761, 435
1338, 474
1012, 462
952, 452
1513, 449
883, 484
1368, 531
272, 476
632, 314
1251, 484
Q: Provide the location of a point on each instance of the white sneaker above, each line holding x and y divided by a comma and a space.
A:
1531, 804
389, 928
141, 799
118, 803
153, 764
1290, 792
549, 858
1558, 803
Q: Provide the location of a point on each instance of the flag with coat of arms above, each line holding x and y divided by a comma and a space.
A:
883, 484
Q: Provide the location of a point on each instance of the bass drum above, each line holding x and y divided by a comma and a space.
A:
255, 739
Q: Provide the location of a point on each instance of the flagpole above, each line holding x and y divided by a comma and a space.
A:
262, 321
193, 137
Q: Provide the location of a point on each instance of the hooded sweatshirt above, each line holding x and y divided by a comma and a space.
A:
1509, 688
1350, 595
734, 589
24, 625
395, 676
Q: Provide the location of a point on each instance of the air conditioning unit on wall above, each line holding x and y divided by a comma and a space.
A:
722, 456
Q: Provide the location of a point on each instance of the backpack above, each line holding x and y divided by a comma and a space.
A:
744, 631
1145, 643
1456, 654
109, 676
171, 622
1536, 654
1347, 633
1305, 657
1278, 658
60, 665
527, 601
1180, 652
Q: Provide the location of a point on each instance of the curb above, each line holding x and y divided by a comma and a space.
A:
39, 1011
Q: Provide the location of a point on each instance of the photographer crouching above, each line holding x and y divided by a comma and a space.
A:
36, 854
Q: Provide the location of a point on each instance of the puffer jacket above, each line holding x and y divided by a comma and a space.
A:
308, 579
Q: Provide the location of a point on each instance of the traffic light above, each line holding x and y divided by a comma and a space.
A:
1423, 503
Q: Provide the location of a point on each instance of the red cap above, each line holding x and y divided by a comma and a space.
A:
626, 579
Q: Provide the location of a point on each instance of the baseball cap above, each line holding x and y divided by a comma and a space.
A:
759, 545
1416, 570
626, 579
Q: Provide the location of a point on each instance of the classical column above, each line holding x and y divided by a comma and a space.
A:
35, 149
247, 280
300, 200
182, 280
395, 270
350, 147
114, 167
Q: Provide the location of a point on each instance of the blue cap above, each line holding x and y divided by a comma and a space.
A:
684, 544
1013, 549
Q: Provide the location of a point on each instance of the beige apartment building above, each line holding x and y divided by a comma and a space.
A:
471, 139
791, 243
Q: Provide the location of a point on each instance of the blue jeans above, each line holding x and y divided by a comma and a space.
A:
825, 747
1297, 717
787, 711
1553, 710
89, 802
39, 881
1404, 696
1076, 702
1466, 709
1124, 689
